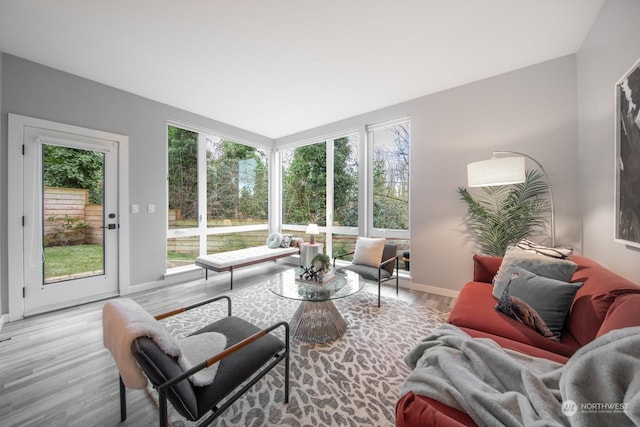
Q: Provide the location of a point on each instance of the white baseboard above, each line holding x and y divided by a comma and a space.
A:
3, 318
430, 289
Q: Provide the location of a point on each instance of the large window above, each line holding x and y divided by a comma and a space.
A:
389, 181
218, 195
320, 185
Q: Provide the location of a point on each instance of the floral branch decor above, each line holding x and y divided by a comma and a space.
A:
502, 215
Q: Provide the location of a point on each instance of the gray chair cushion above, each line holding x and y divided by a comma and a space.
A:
367, 272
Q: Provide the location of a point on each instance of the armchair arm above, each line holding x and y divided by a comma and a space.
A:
227, 352
340, 256
183, 309
393, 258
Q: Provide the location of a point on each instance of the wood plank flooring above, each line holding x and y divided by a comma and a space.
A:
55, 371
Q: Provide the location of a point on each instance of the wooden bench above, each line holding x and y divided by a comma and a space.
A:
228, 261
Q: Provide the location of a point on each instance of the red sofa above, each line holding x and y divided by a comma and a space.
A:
605, 302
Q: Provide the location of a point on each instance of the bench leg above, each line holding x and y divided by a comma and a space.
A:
231, 271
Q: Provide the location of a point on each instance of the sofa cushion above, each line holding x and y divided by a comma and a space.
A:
540, 265
485, 268
474, 309
623, 313
592, 301
518, 346
415, 410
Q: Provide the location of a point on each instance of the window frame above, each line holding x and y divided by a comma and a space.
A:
329, 229
203, 231
371, 230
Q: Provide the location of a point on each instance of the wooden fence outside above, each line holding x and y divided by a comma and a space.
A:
73, 202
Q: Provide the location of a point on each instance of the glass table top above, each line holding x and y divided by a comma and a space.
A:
287, 284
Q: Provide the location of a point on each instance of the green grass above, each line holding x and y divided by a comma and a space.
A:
75, 259
179, 256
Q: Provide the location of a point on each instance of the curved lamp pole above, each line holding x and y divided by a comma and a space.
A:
552, 221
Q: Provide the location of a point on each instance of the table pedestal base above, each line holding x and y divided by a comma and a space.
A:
316, 322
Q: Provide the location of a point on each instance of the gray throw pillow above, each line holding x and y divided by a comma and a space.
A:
553, 268
550, 298
274, 240
517, 309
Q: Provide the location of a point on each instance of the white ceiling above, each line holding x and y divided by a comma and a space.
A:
282, 66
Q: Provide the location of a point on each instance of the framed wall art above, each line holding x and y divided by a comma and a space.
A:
627, 155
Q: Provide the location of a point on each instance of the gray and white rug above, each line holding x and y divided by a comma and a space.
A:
353, 381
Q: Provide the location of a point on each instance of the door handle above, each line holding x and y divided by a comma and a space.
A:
110, 226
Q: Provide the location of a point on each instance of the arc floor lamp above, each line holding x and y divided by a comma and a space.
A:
507, 170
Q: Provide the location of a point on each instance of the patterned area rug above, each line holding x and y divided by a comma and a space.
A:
353, 381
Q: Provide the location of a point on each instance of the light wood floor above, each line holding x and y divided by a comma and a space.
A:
54, 370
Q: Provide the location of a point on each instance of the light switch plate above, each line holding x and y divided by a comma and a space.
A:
135, 208
151, 208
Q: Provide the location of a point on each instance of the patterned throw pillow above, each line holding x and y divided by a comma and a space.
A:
529, 246
517, 309
286, 240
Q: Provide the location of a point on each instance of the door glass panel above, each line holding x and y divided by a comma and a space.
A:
73, 200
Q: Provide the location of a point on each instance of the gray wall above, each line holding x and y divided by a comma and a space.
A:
606, 55
33, 90
532, 110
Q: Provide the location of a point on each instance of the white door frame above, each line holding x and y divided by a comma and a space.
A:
16, 253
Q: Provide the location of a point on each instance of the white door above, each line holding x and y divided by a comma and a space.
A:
70, 217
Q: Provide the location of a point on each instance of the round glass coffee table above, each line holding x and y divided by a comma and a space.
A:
317, 320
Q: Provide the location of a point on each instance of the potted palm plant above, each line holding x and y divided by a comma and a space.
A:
502, 215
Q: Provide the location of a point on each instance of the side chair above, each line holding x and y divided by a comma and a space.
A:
249, 355
380, 272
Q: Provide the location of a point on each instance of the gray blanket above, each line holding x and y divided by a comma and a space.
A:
502, 387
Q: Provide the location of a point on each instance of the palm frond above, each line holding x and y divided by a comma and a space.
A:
502, 215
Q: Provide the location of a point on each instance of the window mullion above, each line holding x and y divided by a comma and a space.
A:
329, 198
202, 192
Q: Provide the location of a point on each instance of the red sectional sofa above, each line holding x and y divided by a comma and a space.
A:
605, 302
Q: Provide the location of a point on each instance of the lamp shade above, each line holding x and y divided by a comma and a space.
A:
313, 229
496, 171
